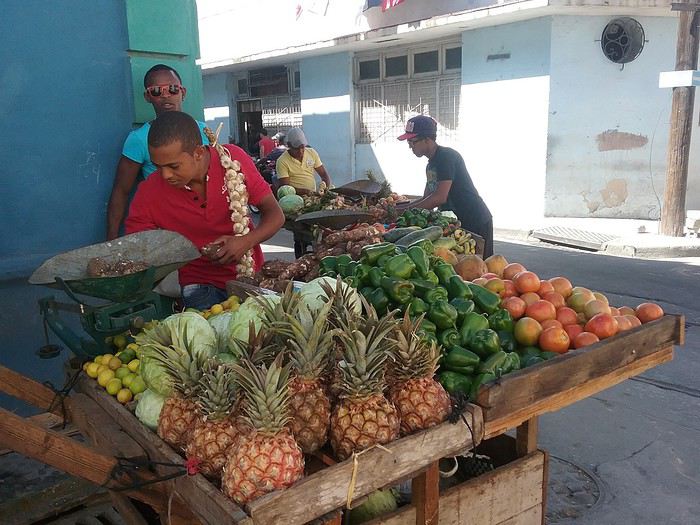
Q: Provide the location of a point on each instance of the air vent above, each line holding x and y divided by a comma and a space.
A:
622, 40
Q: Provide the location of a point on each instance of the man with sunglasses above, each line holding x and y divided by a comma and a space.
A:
297, 165
448, 185
165, 92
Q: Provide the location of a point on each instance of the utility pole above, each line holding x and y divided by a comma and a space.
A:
673, 209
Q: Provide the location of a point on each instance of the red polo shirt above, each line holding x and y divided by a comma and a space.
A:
267, 144
158, 205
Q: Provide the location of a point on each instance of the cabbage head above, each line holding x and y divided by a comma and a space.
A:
186, 331
314, 297
148, 408
250, 310
220, 324
378, 503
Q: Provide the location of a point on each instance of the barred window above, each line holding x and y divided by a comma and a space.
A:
383, 108
280, 113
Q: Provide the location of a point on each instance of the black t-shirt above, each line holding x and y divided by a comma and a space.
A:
463, 199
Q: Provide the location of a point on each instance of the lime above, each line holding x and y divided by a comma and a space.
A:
121, 372
114, 363
105, 376
127, 379
100, 368
92, 370
120, 341
106, 358
137, 385
124, 396
114, 386
85, 365
127, 355
216, 309
134, 365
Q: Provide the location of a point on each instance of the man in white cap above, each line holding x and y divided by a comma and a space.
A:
296, 166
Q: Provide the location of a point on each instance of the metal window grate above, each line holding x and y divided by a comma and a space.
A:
280, 113
382, 108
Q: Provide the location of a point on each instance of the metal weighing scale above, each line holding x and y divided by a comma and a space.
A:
128, 300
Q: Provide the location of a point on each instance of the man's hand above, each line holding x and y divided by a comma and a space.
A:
232, 249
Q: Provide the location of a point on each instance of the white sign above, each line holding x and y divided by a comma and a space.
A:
673, 79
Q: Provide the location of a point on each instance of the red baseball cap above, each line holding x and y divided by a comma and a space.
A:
420, 126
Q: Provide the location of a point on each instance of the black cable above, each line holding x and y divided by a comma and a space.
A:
130, 467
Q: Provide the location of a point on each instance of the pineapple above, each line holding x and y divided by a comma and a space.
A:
216, 431
421, 401
364, 417
269, 458
310, 408
179, 411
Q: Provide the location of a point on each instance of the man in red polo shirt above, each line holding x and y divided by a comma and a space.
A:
187, 194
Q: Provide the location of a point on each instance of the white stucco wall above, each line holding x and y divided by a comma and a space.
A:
608, 127
326, 107
216, 104
503, 117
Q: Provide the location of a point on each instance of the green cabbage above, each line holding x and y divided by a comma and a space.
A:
220, 324
285, 190
378, 503
291, 204
314, 297
250, 310
148, 409
186, 331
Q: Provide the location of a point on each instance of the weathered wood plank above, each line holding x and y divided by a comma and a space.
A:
54, 449
203, 498
26, 389
49, 421
490, 499
376, 468
576, 393
526, 437
531, 385
532, 516
425, 495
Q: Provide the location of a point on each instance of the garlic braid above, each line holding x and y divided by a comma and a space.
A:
237, 197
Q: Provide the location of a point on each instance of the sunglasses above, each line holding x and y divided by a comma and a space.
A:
159, 91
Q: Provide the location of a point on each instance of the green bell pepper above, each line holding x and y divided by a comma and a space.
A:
457, 288
343, 259
352, 281
501, 320
329, 263
460, 357
463, 307
329, 273
454, 382
379, 300
444, 271
375, 276
512, 363
436, 294
371, 253
548, 355
529, 351
435, 261
531, 360
427, 246
494, 364
473, 322
432, 277
399, 266
420, 221
427, 325
485, 300
428, 337
366, 291
448, 337
485, 343
416, 307
420, 260
508, 342
383, 259
398, 290
443, 314
478, 381
422, 286
362, 274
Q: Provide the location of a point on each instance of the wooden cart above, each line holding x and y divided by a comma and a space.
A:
513, 402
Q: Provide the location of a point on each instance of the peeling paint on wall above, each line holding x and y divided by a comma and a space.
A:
615, 193
614, 140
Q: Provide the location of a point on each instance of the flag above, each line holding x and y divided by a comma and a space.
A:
388, 4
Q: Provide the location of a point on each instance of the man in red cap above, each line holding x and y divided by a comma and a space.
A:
448, 185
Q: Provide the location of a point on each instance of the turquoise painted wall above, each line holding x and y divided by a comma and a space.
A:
326, 106
66, 104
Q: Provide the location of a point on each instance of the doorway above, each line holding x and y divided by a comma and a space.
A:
249, 123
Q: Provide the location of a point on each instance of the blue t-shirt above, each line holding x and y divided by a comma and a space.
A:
136, 147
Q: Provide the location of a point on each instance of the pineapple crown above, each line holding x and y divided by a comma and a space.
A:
411, 356
267, 394
259, 348
366, 348
216, 390
340, 298
309, 346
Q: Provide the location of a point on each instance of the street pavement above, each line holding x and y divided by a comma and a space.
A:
628, 455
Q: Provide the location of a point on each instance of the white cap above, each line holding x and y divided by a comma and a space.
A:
296, 138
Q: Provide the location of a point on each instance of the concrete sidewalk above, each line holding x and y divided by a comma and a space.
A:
628, 237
